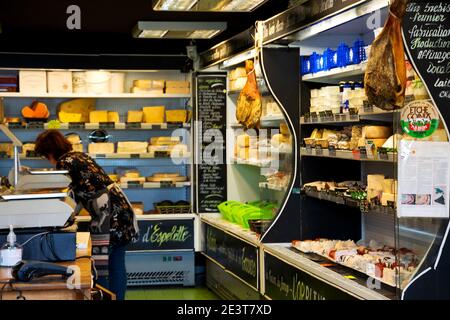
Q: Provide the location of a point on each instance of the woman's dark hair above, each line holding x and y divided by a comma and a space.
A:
52, 142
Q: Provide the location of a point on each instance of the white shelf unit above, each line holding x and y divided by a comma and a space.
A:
146, 163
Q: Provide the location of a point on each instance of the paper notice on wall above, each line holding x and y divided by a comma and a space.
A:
423, 179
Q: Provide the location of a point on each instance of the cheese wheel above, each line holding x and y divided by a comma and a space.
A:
98, 116
154, 114
113, 116
76, 110
101, 148
135, 116
376, 132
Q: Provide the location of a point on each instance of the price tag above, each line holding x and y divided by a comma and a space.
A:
134, 185
167, 184
133, 125
16, 125
332, 151
367, 108
107, 125
308, 149
307, 117
36, 125
382, 154
162, 154
76, 125
362, 153
314, 117
329, 115
319, 151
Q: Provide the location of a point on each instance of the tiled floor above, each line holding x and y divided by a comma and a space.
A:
170, 293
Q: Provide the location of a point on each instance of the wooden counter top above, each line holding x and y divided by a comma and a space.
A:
55, 287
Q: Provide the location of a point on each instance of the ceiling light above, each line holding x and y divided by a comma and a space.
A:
178, 29
207, 5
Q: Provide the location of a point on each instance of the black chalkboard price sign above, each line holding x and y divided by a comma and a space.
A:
211, 97
426, 28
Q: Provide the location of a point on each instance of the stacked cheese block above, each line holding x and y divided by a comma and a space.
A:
161, 86
380, 189
238, 79
178, 87
148, 86
168, 145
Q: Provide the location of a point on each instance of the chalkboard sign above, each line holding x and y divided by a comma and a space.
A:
426, 28
284, 282
211, 99
233, 254
164, 235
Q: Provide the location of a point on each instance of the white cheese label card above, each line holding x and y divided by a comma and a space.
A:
423, 179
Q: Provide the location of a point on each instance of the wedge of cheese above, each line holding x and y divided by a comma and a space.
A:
132, 147
154, 114
101, 148
135, 116
76, 110
113, 116
376, 132
98, 116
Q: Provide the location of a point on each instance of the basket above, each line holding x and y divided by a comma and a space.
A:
173, 209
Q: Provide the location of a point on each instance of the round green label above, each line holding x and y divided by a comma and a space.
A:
419, 119
54, 124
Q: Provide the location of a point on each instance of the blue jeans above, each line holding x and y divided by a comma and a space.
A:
117, 278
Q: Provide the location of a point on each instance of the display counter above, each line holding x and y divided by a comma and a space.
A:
77, 287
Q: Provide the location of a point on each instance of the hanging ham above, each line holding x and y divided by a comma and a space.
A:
249, 106
385, 77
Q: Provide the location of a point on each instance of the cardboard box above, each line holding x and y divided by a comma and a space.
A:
32, 82
59, 81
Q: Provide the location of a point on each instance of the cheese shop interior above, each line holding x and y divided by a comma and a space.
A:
250, 151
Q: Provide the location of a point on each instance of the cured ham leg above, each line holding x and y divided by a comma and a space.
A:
249, 106
385, 77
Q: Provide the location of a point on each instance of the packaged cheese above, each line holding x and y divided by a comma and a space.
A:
76, 110
165, 141
177, 84
135, 116
101, 148
375, 181
98, 116
113, 116
376, 132
388, 186
385, 197
154, 114
176, 116
132, 147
